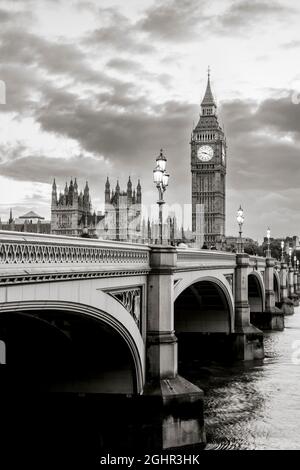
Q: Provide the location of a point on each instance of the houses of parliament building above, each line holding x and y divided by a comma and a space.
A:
121, 220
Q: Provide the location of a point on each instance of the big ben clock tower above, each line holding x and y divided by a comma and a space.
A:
208, 164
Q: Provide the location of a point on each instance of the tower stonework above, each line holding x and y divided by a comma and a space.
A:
208, 166
122, 220
71, 211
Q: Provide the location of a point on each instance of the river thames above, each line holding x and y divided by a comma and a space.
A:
256, 406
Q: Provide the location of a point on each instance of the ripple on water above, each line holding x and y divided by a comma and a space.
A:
255, 406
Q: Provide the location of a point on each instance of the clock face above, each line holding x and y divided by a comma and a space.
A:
205, 153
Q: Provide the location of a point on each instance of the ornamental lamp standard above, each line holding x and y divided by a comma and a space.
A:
282, 248
290, 256
240, 220
161, 180
268, 254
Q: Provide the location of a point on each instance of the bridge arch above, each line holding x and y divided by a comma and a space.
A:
222, 286
256, 292
203, 316
95, 311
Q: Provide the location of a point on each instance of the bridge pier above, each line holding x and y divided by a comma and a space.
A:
298, 284
177, 418
285, 304
272, 318
296, 294
292, 295
248, 340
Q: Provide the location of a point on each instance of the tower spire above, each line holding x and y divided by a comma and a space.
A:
208, 99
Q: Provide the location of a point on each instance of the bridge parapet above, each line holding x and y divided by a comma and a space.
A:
257, 262
34, 256
204, 259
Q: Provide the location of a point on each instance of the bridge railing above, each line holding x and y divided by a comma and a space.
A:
189, 257
38, 252
258, 262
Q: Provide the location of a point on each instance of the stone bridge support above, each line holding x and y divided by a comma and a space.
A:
248, 339
295, 282
272, 318
296, 295
286, 304
292, 294
161, 339
291, 282
176, 418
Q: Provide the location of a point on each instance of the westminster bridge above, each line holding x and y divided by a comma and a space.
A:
115, 319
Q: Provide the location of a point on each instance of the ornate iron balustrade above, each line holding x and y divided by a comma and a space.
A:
39, 249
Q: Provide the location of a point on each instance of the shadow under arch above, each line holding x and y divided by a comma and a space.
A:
256, 292
70, 347
203, 319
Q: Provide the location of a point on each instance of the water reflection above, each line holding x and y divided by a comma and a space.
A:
255, 406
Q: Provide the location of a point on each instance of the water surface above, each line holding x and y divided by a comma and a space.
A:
256, 406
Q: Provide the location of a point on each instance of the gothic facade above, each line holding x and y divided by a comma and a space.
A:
208, 166
122, 219
71, 211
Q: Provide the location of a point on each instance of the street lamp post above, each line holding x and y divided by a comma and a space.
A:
268, 254
161, 180
240, 220
290, 256
282, 248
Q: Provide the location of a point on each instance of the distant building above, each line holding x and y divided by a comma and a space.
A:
30, 222
232, 243
122, 215
71, 211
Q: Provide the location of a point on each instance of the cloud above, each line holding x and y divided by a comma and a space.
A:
117, 32
246, 13
174, 20
264, 143
126, 65
183, 20
291, 44
21, 166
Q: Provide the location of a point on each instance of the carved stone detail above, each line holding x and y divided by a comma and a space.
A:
229, 279
131, 299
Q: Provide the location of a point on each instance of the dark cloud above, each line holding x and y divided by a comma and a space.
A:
183, 20
57, 58
125, 65
174, 20
263, 140
117, 32
243, 14
21, 166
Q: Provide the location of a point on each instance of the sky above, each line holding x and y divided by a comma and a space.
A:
95, 89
